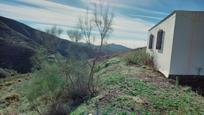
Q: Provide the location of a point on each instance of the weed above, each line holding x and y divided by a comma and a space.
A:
140, 57
47, 81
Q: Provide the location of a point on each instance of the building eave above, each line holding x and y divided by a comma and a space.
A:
175, 11
162, 20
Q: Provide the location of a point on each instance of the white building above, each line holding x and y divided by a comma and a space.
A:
177, 43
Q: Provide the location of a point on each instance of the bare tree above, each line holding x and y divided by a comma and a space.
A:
52, 43
74, 35
54, 31
103, 19
86, 27
102, 22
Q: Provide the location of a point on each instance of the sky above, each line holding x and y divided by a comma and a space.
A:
132, 18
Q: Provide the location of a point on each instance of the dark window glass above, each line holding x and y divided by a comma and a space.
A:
159, 39
151, 39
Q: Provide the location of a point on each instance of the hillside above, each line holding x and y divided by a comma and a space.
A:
124, 90
115, 48
131, 89
126, 82
19, 43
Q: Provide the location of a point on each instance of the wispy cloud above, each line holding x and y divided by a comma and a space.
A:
130, 43
46, 13
136, 5
148, 17
51, 13
111, 3
132, 17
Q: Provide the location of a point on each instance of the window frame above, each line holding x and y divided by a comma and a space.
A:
160, 37
151, 41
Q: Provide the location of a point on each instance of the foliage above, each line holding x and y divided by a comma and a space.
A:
64, 83
44, 82
140, 57
76, 75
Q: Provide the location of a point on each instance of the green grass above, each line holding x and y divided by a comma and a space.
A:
123, 90
124, 93
41, 89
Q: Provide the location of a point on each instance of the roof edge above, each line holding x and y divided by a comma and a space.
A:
175, 11
162, 20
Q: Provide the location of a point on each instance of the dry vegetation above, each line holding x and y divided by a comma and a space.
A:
124, 90
130, 89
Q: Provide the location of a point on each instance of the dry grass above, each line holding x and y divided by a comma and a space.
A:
140, 57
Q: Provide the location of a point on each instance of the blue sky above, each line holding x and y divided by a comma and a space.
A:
132, 20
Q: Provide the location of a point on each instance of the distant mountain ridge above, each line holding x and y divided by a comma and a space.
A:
19, 42
115, 48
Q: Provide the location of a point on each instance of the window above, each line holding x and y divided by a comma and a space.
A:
160, 35
151, 40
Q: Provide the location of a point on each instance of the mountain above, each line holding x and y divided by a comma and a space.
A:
19, 43
115, 48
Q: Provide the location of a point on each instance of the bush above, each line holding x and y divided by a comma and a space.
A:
77, 76
75, 90
46, 82
63, 84
140, 57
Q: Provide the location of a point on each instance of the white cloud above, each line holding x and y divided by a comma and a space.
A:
112, 3
128, 31
133, 43
148, 17
51, 13
131, 24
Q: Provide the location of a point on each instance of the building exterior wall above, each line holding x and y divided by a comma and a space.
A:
163, 56
188, 44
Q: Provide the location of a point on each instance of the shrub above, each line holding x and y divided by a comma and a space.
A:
140, 57
75, 89
77, 77
64, 83
45, 82
59, 108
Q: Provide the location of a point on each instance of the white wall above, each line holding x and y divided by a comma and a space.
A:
163, 56
188, 44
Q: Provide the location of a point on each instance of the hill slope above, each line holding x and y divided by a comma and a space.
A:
124, 90
139, 90
20, 42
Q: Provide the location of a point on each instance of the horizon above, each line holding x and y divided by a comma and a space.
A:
132, 19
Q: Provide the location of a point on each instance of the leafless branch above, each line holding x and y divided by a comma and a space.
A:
74, 35
86, 26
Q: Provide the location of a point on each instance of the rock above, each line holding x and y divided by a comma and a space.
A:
3, 73
13, 98
3, 104
51, 56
